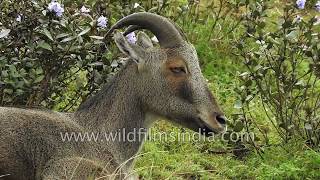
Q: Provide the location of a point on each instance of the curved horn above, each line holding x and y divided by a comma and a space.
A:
133, 28
161, 27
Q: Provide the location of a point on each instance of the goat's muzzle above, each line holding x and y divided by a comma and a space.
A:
214, 123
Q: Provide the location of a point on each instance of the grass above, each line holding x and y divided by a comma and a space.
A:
193, 160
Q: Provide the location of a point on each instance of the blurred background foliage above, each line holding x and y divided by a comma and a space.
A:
260, 59
56, 62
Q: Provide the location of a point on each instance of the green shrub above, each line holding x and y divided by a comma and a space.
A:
41, 52
57, 60
282, 59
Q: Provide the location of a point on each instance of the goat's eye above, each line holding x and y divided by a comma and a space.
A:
178, 70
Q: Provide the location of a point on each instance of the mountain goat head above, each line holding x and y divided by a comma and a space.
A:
170, 81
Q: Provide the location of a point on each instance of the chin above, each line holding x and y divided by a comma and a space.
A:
207, 132
197, 125
201, 127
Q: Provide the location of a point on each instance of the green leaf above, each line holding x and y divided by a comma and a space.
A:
38, 70
4, 33
154, 9
62, 35
80, 39
45, 45
238, 126
39, 79
63, 23
98, 42
8, 91
48, 34
249, 98
19, 92
238, 105
84, 31
308, 126
79, 82
96, 37
4, 74
68, 39
292, 35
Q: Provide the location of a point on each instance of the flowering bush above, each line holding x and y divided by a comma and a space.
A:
283, 65
301, 4
52, 52
56, 8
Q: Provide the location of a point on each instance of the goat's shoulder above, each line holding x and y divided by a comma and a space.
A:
26, 116
34, 123
32, 136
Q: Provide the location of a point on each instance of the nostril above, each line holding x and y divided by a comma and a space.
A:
221, 119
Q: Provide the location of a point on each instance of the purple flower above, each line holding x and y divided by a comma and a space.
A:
56, 8
132, 38
301, 4
318, 6
102, 22
84, 10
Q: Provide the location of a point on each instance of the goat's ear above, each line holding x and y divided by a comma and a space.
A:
133, 51
144, 40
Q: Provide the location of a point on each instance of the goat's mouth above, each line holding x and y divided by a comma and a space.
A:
205, 128
197, 124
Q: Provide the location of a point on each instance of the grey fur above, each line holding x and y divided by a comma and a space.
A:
31, 144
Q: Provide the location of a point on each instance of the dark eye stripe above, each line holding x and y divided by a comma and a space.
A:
185, 92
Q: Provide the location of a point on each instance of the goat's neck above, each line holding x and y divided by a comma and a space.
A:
117, 109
